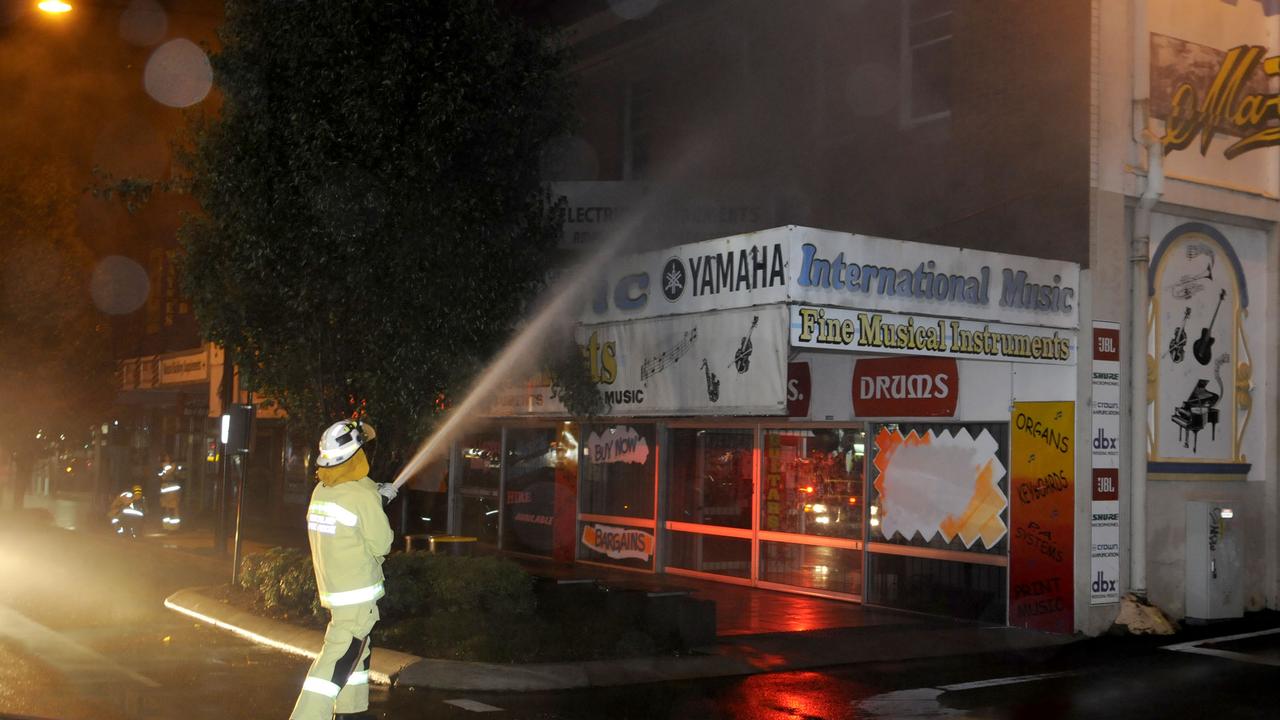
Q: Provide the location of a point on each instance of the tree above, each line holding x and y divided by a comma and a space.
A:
373, 222
55, 371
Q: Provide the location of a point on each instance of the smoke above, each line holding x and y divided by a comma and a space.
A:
558, 308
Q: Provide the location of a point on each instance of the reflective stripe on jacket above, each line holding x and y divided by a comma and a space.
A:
349, 535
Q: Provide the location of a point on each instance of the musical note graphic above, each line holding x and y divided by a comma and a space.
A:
656, 364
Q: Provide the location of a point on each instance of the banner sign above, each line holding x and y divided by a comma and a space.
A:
1041, 560
820, 267
737, 271
1104, 524
871, 273
732, 362
905, 387
861, 331
618, 543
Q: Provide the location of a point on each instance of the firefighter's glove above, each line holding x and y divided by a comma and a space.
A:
388, 492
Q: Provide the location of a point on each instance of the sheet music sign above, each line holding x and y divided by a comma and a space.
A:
1104, 523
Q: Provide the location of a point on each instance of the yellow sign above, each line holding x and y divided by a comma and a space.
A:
1224, 105
847, 329
1042, 517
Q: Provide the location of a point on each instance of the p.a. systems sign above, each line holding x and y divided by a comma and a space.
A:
796, 264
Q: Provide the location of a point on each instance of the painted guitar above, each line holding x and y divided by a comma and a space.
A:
1203, 349
742, 358
1178, 344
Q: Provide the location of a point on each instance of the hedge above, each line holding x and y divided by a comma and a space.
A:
463, 608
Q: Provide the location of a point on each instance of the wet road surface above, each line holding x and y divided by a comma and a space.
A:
83, 634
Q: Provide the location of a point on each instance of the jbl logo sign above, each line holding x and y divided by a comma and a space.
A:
1106, 484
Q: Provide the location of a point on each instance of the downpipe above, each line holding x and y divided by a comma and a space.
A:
1139, 260
1138, 304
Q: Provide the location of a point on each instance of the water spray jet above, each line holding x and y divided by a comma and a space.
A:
559, 304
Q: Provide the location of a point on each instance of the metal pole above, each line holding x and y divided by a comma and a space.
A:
220, 504
235, 555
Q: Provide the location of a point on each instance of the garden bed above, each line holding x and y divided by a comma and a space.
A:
466, 608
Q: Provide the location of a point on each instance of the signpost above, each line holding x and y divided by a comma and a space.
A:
236, 436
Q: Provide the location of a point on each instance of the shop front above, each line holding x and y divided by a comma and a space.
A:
818, 412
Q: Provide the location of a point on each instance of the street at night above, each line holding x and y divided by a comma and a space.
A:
103, 646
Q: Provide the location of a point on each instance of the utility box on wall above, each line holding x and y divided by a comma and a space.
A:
1215, 574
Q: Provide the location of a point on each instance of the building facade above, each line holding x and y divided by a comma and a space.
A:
1129, 140
1184, 246
822, 412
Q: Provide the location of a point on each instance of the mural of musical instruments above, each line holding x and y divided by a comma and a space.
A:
1178, 343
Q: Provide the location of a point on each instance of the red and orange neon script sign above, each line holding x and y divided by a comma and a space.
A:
1224, 106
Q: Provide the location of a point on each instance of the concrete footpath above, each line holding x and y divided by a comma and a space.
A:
730, 656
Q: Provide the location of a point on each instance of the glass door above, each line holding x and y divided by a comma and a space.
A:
479, 478
811, 510
711, 501
617, 498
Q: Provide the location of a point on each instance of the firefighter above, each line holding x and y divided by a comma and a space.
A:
350, 536
128, 511
170, 495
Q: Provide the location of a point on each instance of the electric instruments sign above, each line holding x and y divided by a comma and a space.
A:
856, 330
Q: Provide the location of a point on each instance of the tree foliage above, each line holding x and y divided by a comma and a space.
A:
373, 220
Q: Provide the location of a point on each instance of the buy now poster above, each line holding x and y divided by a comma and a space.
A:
1042, 500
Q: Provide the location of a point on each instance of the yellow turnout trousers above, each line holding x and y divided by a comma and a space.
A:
338, 680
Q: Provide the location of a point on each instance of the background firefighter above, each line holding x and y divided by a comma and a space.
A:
128, 512
349, 536
170, 495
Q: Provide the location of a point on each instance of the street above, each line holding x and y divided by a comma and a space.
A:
83, 634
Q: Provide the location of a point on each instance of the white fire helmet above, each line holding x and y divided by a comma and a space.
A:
341, 440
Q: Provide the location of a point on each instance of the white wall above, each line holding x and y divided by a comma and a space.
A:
1167, 499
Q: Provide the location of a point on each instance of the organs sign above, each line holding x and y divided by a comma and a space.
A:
619, 444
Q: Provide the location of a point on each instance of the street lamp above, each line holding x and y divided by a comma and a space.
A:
54, 7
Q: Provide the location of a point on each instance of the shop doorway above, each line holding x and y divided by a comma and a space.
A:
779, 508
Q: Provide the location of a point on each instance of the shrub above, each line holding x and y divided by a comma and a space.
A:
468, 608
283, 582
420, 584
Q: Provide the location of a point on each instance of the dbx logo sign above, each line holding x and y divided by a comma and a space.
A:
1102, 585
1102, 442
